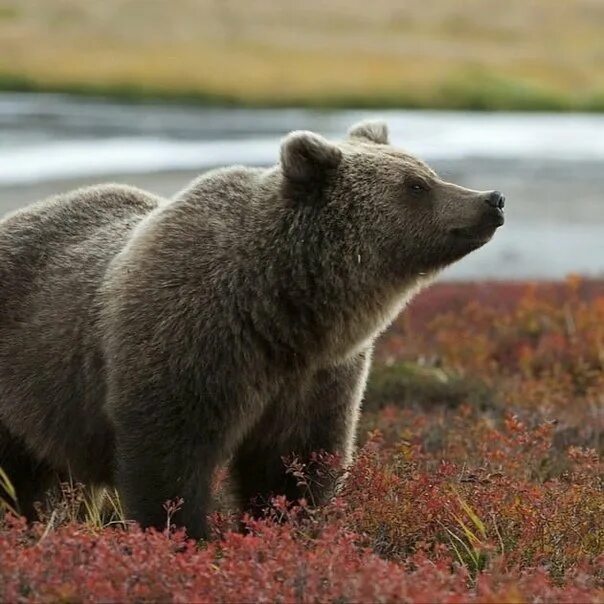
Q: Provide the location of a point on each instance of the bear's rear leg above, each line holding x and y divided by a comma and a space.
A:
29, 477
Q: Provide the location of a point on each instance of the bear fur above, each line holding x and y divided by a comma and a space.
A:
144, 341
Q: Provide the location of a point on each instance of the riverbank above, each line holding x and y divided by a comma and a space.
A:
542, 55
471, 90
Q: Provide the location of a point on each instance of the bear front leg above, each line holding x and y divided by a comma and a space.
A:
171, 433
151, 477
167, 448
324, 419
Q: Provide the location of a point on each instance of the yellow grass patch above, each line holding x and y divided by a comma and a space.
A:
312, 52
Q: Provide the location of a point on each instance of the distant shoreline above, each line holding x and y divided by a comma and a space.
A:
463, 95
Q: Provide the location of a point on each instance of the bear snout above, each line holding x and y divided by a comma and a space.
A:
492, 215
483, 226
495, 199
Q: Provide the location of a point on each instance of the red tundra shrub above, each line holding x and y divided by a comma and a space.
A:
479, 478
486, 503
273, 563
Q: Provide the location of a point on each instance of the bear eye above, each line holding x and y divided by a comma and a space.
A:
417, 186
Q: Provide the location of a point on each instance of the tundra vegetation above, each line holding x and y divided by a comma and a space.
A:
481, 54
479, 477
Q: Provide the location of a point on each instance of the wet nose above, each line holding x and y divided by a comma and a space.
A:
495, 199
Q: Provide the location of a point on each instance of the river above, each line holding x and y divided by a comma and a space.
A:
550, 166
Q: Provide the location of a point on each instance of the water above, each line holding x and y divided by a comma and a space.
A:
550, 166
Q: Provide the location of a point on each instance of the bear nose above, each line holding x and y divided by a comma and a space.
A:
495, 199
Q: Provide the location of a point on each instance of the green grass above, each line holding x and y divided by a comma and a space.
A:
410, 384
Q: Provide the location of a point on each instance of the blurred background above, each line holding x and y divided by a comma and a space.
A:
495, 95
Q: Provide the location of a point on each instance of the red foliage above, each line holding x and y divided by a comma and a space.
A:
275, 563
539, 346
501, 501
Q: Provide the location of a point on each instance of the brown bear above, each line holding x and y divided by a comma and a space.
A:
144, 342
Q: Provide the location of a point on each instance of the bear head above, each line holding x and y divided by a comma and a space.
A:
392, 210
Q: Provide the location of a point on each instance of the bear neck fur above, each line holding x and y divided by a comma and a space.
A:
308, 287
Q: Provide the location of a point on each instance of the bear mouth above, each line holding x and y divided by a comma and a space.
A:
479, 233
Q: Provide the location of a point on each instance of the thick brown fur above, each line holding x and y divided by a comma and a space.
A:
143, 342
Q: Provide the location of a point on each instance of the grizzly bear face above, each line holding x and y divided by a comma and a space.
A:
406, 220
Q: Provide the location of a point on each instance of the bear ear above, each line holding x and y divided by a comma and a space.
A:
306, 156
375, 131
